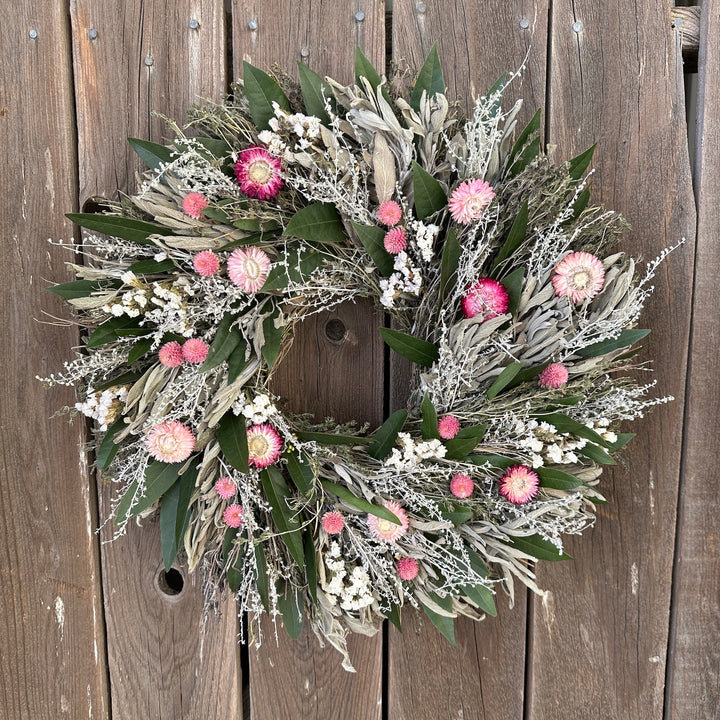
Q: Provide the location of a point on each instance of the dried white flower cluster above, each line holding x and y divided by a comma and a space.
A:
352, 590
405, 280
289, 133
103, 407
412, 452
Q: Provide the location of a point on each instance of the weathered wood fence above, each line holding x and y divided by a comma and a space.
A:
628, 630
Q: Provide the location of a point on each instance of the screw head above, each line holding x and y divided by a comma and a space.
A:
193, 24
421, 8
577, 27
149, 61
304, 52
524, 23
33, 34
359, 15
253, 25
677, 22
92, 33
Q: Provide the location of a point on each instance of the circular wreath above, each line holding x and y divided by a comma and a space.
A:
504, 288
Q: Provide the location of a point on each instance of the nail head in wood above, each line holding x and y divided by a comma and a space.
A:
577, 27
304, 52
149, 61
92, 33
253, 25
194, 24
33, 34
421, 8
524, 23
359, 15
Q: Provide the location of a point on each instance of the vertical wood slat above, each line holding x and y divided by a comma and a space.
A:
694, 660
342, 377
163, 663
604, 623
483, 677
53, 658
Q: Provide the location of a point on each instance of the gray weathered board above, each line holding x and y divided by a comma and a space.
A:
628, 629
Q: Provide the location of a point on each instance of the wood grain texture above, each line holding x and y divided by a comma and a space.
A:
477, 42
326, 30
693, 684
342, 377
116, 92
603, 626
428, 678
52, 661
162, 663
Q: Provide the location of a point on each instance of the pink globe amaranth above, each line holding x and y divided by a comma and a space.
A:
193, 204
407, 568
469, 200
461, 485
579, 276
259, 173
195, 350
395, 240
170, 442
225, 487
448, 427
206, 263
171, 355
487, 298
389, 213
233, 515
553, 376
519, 484
332, 522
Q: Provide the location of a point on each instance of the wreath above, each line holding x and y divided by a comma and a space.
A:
504, 287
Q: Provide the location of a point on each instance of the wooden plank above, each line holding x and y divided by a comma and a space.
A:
144, 59
53, 660
474, 681
163, 663
694, 658
330, 370
599, 637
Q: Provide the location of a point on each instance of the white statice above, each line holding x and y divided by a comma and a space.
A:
351, 590
406, 279
600, 426
413, 452
159, 303
105, 406
289, 133
425, 238
545, 444
260, 410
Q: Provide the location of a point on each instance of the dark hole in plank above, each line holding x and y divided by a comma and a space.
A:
170, 582
335, 330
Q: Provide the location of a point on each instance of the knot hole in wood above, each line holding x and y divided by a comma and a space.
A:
169, 583
335, 331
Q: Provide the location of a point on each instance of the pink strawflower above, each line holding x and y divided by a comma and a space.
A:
580, 276
469, 200
461, 485
384, 529
206, 263
195, 350
332, 522
486, 297
171, 354
258, 173
553, 376
248, 269
389, 213
233, 515
407, 568
395, 240
448, 427
170, 442
264, 445
519, 484
225, 487
193, 204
